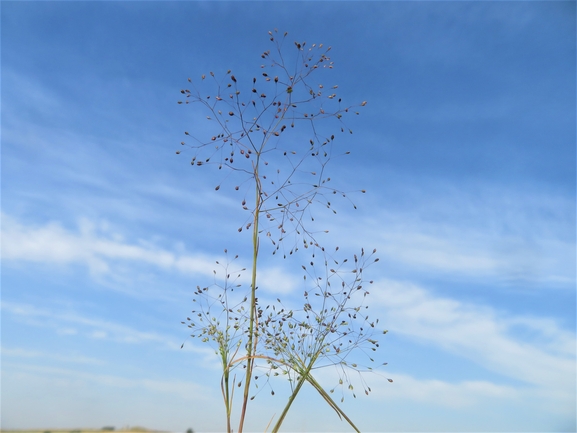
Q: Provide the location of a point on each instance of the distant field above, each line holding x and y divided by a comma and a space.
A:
129, 430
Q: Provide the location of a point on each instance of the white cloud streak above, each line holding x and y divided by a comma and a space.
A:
18, 352
91, 328
510, 237
481, 334
91, 246
84, 398
546, 361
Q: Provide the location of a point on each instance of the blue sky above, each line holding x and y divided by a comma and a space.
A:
466, 149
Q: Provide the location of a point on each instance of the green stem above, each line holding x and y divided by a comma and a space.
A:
304, 376
225, 387
253, 322
330, 401
307, 376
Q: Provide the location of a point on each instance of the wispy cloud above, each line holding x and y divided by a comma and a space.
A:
18, 352
89, 328
185, 389
103, 252
477, 332
92, 245
78, 397
503, 236
510, 237
545, 357
456, 395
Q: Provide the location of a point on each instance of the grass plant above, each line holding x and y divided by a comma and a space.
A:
274, 135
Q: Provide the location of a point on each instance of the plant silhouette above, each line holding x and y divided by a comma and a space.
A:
269, 135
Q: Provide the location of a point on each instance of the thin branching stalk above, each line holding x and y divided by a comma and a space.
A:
225, 388
303, 377
291, 341
330, 401
253, 321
